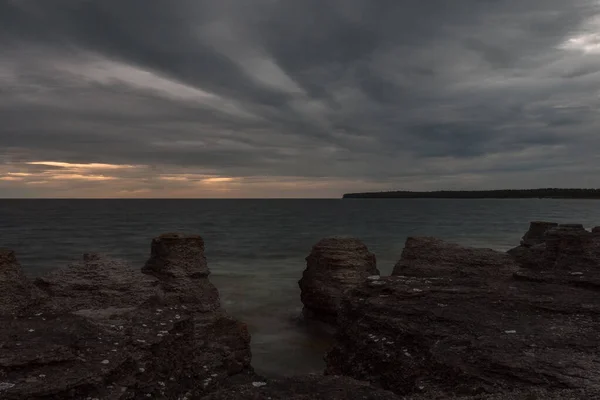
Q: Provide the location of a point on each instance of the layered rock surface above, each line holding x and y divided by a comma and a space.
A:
179, 263
432, 257
476, 329
568, 254
313, 387
16, 292
95, 282
536, 232
334, 266
103, 331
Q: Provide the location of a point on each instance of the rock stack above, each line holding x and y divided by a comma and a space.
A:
334, 266
559, 246
569, 255
532, 250
179, 263
535, 233
102, 330
16, 292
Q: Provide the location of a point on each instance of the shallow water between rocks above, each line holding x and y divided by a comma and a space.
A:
256, 248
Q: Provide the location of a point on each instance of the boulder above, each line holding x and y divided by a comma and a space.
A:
596, 230
16, 292
179, 263
314, 387
536, 232
334, 266
103, 331
432, 257
447, 335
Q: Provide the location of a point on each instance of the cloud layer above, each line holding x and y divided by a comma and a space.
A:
281, 98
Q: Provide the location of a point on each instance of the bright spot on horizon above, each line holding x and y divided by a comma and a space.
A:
83, 166
83, 177
217, 180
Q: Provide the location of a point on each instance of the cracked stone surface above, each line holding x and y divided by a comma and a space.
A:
472, 334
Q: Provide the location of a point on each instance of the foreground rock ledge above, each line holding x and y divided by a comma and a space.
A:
101, 330
313, 387
492, 335
334, 266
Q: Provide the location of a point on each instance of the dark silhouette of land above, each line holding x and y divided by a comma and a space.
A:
547, 193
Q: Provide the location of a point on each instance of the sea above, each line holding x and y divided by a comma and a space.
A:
256, 249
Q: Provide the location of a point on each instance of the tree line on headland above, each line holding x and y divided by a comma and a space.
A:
545, 193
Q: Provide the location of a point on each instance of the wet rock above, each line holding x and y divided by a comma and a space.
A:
314, 387
104, 331
16, 292
423, 335
178, 261
432, 257
334, 266
536, 232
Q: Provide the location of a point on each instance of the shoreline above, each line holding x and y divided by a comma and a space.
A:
101, 329
541, 193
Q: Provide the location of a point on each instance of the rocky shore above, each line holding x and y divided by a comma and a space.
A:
451, 322
101, 330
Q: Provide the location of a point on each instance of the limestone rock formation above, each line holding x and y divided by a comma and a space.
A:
179, 263
313, 387
458, 335
16, 292
103, 331
432, 257
569, 254
536, 232
96, 282
334, 266
416, 334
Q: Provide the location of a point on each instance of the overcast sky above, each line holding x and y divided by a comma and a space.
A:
296, 98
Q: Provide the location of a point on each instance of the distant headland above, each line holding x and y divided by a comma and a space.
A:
546, 193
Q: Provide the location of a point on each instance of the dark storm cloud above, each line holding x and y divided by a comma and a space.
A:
399, 93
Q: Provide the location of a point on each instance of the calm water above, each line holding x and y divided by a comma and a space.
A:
256, 248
